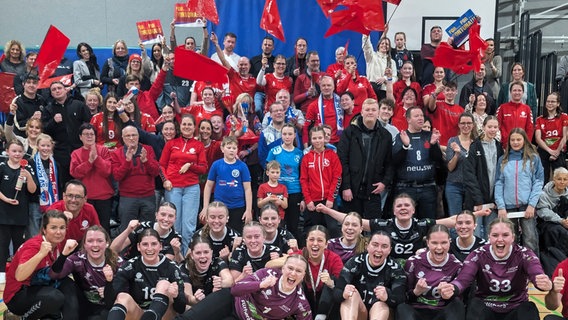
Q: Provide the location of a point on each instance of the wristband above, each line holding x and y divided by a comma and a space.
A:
120, 112
249, 151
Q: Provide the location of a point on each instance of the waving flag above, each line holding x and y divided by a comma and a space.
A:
206, 8
270, 20
51, 52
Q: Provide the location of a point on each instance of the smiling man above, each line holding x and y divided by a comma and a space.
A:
81, 214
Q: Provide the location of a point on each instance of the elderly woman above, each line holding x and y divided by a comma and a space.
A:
115, 66
552, 208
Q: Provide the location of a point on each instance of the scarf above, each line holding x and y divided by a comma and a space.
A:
48, 193
338, 112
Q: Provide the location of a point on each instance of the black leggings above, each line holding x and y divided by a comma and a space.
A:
9, 233
454, 310
218, 305
35, 302
292, 216
476, 310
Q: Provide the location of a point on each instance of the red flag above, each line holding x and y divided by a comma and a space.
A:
327, 6
2, 57
270, 20
206, 8
395, 2
361, 16
7, 93
194, 66
455, 59
45, 83
51, 52
345, 53
462, 61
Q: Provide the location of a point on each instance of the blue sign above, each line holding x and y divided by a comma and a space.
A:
459, 30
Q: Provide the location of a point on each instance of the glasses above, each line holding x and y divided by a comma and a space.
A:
74, 197
88, 134
135, 61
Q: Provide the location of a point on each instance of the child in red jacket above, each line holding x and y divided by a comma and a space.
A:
319, 175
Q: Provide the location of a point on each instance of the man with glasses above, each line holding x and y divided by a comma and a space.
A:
134, 167
61, 120
306, 87
81, 215
271, 136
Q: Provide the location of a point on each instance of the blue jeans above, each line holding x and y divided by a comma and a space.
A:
186, 201
454, 197
34, 223
425, 198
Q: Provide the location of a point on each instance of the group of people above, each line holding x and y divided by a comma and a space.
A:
210, 183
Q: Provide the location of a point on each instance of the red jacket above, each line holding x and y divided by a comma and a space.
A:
147, 99
178, 152
77, 226
360, 88
96, 175
514, 115
135, 179
301, 86
319, 175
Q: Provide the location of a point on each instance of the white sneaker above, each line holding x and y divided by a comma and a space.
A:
2, 277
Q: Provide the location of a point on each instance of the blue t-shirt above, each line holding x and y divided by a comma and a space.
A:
229, 180
289, 167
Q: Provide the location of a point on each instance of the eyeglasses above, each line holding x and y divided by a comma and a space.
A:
74, 197
88, 134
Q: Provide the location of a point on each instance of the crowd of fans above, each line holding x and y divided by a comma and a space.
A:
287, 191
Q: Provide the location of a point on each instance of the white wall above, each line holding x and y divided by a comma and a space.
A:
410, 14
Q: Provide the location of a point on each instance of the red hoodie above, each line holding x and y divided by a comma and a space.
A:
178, 152
136, 179
514, 115
319, 175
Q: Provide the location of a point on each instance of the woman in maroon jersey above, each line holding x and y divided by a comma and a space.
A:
502, 269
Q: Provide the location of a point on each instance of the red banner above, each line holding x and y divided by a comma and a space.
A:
184, 17
194, 66
149, 31
7, 93
51, 52
66, 80
206, 8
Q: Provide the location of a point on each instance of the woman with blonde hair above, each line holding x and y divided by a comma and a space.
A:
15, 58
115, 66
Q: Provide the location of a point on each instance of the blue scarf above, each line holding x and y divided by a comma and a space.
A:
338, 112
48, 193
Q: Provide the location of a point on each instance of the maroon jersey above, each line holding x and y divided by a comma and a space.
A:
501, 284
251, 302
344, 252
420, 267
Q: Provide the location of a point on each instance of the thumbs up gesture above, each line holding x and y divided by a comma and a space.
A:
558, 282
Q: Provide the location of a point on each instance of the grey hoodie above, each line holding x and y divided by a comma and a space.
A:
548, 200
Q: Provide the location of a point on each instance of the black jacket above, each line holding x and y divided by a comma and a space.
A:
65, 133
353, 156
475, 176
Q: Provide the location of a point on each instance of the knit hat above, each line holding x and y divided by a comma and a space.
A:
135, 57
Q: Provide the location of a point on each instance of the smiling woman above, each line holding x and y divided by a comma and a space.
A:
157, 279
